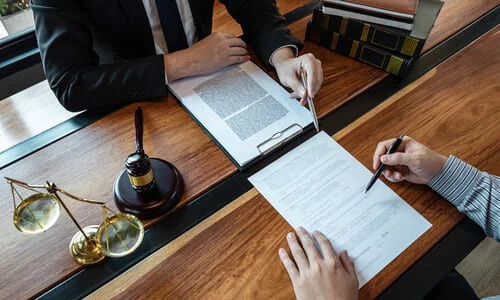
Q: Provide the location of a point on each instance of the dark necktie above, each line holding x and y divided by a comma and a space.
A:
171, 24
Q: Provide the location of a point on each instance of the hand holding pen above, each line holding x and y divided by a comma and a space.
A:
303, 76
412, 161
392, 148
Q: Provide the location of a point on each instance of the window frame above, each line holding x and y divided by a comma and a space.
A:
18, 51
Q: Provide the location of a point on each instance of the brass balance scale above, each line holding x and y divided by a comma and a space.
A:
118, 235
139, 193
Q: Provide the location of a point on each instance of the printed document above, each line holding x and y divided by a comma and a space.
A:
320, 186
242, 107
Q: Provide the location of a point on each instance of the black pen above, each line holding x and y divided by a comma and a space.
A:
391, 150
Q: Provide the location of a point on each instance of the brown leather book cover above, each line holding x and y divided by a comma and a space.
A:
402, 6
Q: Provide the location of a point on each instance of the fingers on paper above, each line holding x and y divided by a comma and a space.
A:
238, 59
290, 266
348, 264
297, 252
325, 246
237, 51
308, 244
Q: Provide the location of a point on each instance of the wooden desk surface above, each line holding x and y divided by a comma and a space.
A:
454, 108
22, 118
87, 162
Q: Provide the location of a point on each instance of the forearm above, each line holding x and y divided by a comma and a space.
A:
182, 64
474, 193
281, 55
95, 86
74, 70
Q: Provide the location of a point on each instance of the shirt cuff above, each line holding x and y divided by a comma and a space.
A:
294, 48
455, 180
166, 79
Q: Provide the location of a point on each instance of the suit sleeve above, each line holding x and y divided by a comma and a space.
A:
72, 66
263, 26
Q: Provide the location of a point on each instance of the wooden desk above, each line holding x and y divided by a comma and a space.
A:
87, 162
21, 117
454, 108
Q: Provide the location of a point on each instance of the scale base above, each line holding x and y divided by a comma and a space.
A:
83, 252
154, 203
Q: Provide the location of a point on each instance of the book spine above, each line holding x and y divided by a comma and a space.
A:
397, 41
366, 53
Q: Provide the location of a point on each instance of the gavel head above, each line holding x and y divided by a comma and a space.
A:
140, 172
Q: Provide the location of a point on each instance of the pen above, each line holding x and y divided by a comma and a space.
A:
391, 150
303, 75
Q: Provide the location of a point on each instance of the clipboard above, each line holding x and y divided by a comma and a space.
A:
274, 142
285, 120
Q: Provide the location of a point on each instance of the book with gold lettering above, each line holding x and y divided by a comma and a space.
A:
396, 40
390, 39
364, 52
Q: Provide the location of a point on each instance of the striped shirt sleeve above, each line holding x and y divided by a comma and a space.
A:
476, 194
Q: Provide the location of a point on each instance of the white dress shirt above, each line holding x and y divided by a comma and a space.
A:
154, 22
188, 24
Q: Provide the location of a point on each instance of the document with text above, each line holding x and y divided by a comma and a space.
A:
243, 108
320, 186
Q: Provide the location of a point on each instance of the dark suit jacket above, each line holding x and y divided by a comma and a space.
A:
100, 53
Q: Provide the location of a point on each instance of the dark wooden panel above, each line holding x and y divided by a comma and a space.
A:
234, 254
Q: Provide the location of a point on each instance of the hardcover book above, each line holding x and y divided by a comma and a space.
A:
367, 16
400, 8
366, 53
388, 38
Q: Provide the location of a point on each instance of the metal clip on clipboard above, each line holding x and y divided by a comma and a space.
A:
277, 136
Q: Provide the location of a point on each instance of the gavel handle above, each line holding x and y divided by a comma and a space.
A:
138, 130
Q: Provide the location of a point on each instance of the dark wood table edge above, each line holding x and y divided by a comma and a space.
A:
454, 246
86, 118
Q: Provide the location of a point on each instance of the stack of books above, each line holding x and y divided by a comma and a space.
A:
387, 34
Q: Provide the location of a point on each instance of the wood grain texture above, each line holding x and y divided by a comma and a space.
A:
87, 162
453, 109
36, 109
223, 22
455, 15
21, 117
343, 78
28, 113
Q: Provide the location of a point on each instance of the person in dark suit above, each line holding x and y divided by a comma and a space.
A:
102, 53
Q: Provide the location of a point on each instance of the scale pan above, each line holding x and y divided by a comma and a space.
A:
37, 213
120, 235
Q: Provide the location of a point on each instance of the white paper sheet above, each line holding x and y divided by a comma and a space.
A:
320, 186
3, 31
241, 107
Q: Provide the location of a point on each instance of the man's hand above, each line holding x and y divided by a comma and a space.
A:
288, 69
316, 276
211, 54
412, 162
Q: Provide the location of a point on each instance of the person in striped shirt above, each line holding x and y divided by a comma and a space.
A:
474, 193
